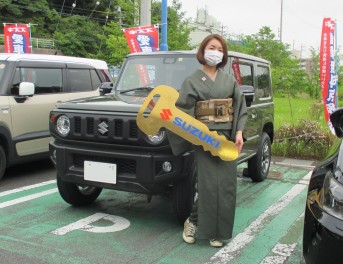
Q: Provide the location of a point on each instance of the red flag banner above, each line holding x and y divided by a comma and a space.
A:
142, 39
17, 38
237, 71
328, 71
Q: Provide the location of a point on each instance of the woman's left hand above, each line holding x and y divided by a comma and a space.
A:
239, 141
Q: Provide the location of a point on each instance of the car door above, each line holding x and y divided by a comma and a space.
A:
30, 115
263, 94
243, 70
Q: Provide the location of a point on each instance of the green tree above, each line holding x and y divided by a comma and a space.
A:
178, 29
288, 76
114, 46
37, 13
313, 77
78, 36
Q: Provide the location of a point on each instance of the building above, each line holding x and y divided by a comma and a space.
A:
203, 25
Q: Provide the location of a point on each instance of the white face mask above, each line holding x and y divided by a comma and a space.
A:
213, 57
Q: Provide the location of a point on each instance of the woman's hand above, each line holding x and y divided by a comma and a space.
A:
239, 141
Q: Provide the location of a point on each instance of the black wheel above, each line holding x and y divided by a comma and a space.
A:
183, 194
3, 162
258, 166
75, 194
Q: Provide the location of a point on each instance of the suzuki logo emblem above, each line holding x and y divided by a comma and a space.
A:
103, 127
166, 113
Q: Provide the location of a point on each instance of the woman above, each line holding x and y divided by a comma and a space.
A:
213, 211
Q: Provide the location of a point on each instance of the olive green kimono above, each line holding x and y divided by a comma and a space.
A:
216, 179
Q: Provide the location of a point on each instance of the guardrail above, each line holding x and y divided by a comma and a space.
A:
36, 42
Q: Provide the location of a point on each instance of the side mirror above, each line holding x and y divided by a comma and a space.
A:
26, 89
336, 119
249, 93
105, 88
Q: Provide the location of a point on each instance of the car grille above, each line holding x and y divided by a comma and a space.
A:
105, 129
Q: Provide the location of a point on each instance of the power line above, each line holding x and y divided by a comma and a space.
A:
73, 6
60, 16
96, 4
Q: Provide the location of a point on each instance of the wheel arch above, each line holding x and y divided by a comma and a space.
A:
5, 142
269, 129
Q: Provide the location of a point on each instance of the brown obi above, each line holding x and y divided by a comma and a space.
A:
214, 110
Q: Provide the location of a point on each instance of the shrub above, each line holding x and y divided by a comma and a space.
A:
305, 140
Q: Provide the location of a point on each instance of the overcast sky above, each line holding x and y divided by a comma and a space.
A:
301, 23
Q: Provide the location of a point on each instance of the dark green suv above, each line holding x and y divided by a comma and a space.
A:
97, 143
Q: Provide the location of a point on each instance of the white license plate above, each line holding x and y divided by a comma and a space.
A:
100, 172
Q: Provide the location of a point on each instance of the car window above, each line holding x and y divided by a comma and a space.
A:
106, 75
243, 72
80, 80
155, 70
263, 81
96, 81
45, 80
2, 69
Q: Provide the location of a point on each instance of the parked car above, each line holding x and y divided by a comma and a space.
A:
31, 85
323, 225
102, 132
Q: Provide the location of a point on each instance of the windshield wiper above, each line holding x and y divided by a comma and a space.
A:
149, 88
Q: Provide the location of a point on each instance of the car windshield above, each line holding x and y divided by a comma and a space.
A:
151, 71
2, 70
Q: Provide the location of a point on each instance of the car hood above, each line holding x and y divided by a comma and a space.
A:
114, 102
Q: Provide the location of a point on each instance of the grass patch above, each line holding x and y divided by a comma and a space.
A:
300, 129
290, 111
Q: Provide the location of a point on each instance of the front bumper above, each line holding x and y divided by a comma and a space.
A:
137, 171
323, 236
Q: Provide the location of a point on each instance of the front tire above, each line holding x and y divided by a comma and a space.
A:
258, 166
183, 194
77, 195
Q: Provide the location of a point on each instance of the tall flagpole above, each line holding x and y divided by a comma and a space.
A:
164, 40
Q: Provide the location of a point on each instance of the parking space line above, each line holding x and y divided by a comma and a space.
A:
284, 248
26, 188
282, 251
27, 198
236, 245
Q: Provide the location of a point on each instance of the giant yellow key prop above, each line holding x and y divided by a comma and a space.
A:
165, 114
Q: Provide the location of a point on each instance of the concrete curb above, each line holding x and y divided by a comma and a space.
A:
308, 164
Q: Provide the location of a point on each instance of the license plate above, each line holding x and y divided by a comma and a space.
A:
100, 172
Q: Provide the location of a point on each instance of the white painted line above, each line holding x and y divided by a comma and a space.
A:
289, 164
26, 188
282, 251
27, 198
236, 245
118, 223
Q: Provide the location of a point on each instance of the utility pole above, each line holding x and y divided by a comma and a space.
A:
145, 17
281, 21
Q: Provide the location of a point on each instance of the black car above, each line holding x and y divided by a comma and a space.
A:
323, 226
97, 143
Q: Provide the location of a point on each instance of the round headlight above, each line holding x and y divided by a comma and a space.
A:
63, 125
157, 138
